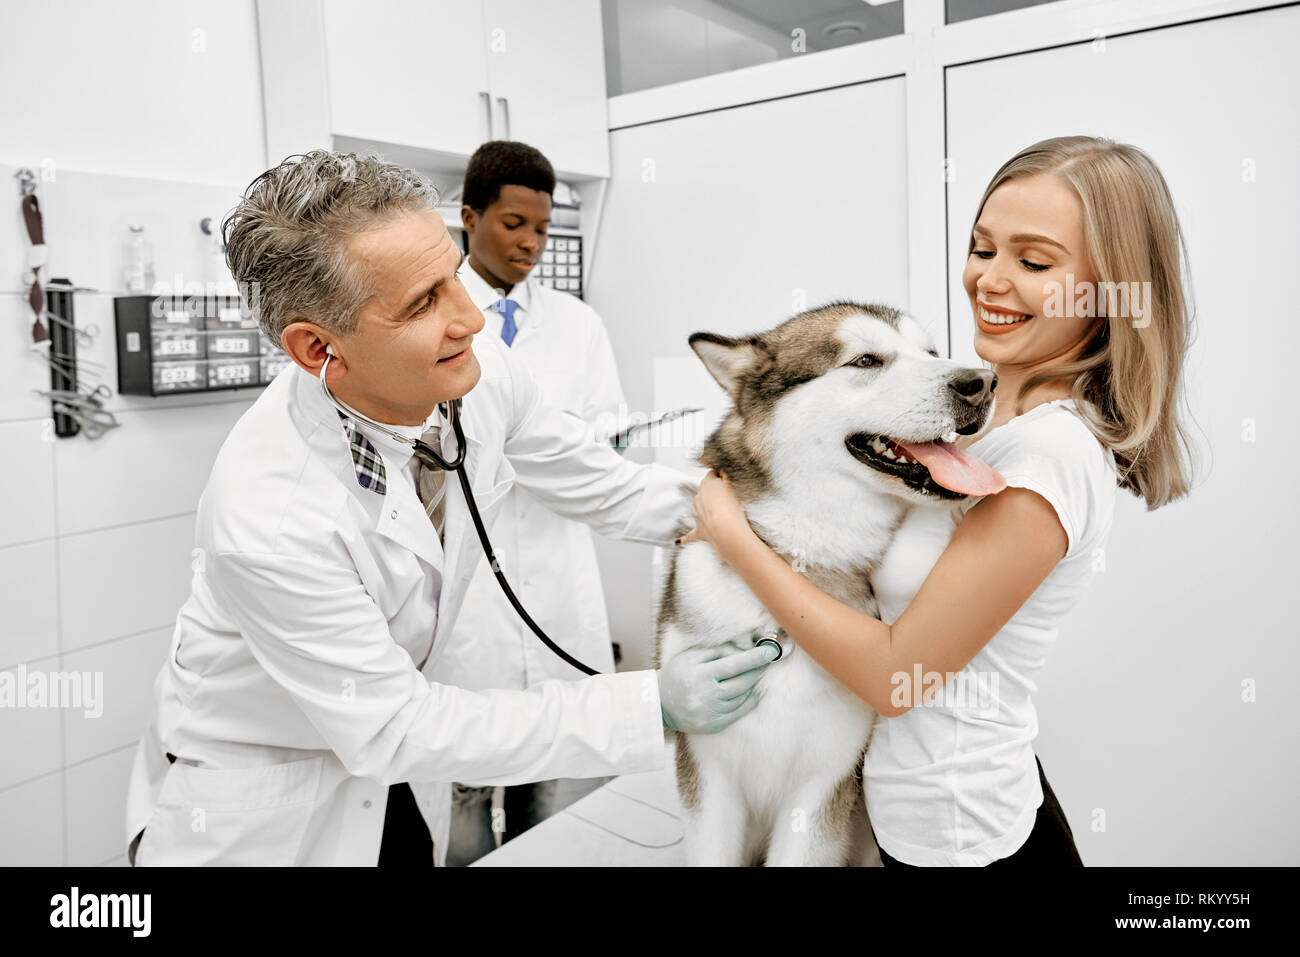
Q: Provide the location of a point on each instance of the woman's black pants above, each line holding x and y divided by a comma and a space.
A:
1050, 843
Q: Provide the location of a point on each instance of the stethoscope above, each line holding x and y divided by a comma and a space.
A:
423, 451
431, 459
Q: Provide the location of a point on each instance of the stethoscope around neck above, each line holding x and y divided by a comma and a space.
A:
421, 449
431, 459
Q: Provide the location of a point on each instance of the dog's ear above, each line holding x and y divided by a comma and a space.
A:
727, 359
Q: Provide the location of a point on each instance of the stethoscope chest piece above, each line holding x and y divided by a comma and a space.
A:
773, 638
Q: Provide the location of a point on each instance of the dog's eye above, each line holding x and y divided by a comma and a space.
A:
867, 361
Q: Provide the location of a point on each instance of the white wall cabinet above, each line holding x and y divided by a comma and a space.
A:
546, 65
436, 78
402, 71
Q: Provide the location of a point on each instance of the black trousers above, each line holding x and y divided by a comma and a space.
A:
1050, 843
406, 841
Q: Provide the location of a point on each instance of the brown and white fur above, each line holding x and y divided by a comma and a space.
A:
782, 785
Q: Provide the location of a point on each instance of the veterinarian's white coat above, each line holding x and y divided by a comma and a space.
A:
291, 694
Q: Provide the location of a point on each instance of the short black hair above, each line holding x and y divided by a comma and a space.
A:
505, 163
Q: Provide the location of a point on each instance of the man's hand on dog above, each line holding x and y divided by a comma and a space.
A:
704, 689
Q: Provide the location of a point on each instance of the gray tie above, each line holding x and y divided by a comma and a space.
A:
430, 482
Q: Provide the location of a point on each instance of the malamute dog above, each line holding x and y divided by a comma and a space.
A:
842, 421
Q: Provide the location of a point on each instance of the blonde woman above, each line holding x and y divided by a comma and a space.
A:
1088, 382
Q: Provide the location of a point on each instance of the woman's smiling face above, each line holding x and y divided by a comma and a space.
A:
1029, 236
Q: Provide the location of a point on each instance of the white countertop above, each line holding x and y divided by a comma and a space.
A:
632, 821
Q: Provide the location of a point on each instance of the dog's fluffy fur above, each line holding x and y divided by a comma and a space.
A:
782, 785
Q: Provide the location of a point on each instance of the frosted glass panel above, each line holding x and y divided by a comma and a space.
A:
651, 43
957, 10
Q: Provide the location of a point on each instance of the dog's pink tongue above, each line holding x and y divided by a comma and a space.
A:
956, 469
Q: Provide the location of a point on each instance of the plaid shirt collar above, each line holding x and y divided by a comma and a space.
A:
365, 458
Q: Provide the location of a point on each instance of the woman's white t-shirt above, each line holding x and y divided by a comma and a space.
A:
953, 781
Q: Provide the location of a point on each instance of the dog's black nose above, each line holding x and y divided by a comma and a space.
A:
974, 386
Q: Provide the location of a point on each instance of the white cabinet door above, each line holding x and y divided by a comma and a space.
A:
546, 61
411, 72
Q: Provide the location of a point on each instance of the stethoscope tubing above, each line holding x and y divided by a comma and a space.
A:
432, 459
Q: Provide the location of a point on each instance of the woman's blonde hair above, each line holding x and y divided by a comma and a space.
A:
1130, 374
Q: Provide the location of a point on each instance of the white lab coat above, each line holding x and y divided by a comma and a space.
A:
549, 560
297, 687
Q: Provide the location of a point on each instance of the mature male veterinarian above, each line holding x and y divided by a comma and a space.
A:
292, 710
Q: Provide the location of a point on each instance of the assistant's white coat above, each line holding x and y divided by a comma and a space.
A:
549, 560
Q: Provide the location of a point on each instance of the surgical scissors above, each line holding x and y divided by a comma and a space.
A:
85, 334
44, 353
92, 420
85, 408
95, 397
69, 370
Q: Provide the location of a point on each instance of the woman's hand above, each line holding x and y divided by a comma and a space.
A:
719, 516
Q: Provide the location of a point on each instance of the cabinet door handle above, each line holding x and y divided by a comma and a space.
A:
487, 114
505, 115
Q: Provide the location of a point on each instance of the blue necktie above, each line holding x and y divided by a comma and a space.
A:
507, 309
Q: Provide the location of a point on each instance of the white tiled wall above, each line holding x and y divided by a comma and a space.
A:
95, 807
94, 572
95, 536
33, 812
147, 561
31, 742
